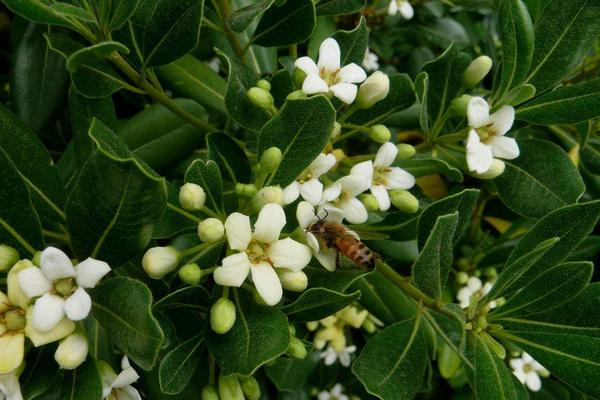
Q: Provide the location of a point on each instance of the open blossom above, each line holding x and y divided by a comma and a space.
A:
118, 387
60, 287
260, 252
474, 287
334, 394
486, 139
308, 184
403, 7
382, 176
330, 355
528, 371
327, 76
370, 61
9, 387
341, 197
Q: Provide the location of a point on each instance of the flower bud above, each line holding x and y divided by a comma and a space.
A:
209, 392
337, 129
192, 197
159, 261
260, 98
491, 273
270, 159
458, 106
211, 230
299, 77
229, 388
266, 195
312, 325
296, 95
369, 326
292, 329
15, 320
405, 151
461, 278
476, 71
463, 264
222, 315
72, 351
190, 274
250, 388
295, 281
404, 201
370, 202
338, 154
296, 348
372, 90
37, 258
245, 189
495, 170
264, 84
8, 257
380, 133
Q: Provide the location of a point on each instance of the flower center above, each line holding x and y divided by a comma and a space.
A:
14, 320
380, 176
486, 132
305, 176
332, 78
65, 286
528, 368
257, 252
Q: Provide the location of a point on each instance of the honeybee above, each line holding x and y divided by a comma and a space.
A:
335, 235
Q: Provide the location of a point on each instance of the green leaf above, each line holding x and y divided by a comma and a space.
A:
564, 35
427, 166
83, 383
123, 307
120, 12
532, 187
353, 44
339, 7
189, 296
208, 176
243, 17
71, 11
109, 221
37, 11
392, 364
442, 32
517, 35
430, 271
565, 105
421, 89
300, 130
178, 366
290, 374
242, 350
519, 94
98, 50
397, 225
317, 303
229, 156
289, 23
41, 372
38, 80
174, 220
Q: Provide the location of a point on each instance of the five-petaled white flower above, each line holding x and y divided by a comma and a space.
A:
486, 138
61, 287
528, 371
370, 61
403, 7
327, 76
341, 196
9, 387
382, 176
259, 252
474, 287
330, 356
118, 387
334, 394
308, 185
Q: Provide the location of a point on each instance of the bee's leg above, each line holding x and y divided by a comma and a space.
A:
337, 259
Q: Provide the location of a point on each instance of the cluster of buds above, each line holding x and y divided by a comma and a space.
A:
260, 96
232, 387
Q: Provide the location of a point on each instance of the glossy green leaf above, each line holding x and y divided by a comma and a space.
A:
339, 7
178, 366
37, 11
239, 20
284, 24
189, 296
98, 50
41, 373
317, 303
442, 32
175, 219
208, 176
418, 167
121, 11
229, 156
353, 44
83, 383
291, 374
71, 11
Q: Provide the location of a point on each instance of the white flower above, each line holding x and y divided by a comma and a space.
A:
334, 394
370, 61
60, 288
382, 176
327, 76
9, 387
308, 185
119, 386
341, 196
330, 356
260, 252
474, 287
528, 371
403, 7
486, 138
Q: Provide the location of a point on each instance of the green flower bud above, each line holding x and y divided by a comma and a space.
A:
369, 326
337, 129
15, 320
463, 264
266, 195
461, 278
222, 315
491, 273
246, 189
37, 258
295, 281
264, 84
159, 261
296, 348
299, 77
405, 151
372, 90
260, 98
458, 106
209, 392
190, 274
250, 388
404, 201
270, 159
338, 154
495, 170
8, 257
72, 351
229, 388
292, 329
312, 325
211, 230
380, 133
192, 197
476, 71
296, 95
370, 202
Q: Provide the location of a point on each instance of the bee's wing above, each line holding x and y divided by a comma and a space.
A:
368, 235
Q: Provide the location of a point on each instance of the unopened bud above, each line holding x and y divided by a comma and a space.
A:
372, 90
260, 98
211, 230
338, 154
380, 133
222, 315
72, 351
463, 264
37, 258
209, 392
245, 189
369, 326
192, 197
264, 84
404, 201
299, 77
337, 129
229, 388
296, 348
270, 159
458, 106
461, 278
190, 274
292, 329
296, 95
250, 388
295, 281
495, 170
476, 71
405, 151
159, 261
266, 195
312, 325
8, 257
370, 202
491, 273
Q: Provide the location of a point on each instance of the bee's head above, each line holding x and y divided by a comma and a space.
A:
318, 225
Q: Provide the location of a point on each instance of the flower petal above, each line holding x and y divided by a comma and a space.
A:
12, 349
321, 164
382, 197
129, 393
48, 310
267, 283
503, 119
406, 10
393, 8
533, 381
270, 222
386, 155
474, 284
353, 185
305, 214
332, 192
478, 112
346, 92
327, 257
63, 329
479, 155
89, 272
351, 73
238, 231
234, 271
313, 84
312, 241
504, 147
287, 253
307, 65
329, 56
125, 378
397, 178
354, 211
364, 169
312, 191
56, 264
33, 282
78, 305
291, 193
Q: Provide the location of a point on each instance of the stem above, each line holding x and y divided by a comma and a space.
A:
183, 212
194, 249
224, 12
345, 136
58, 236
204, 251
210, 25
353, 108
293, 51
355, 126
